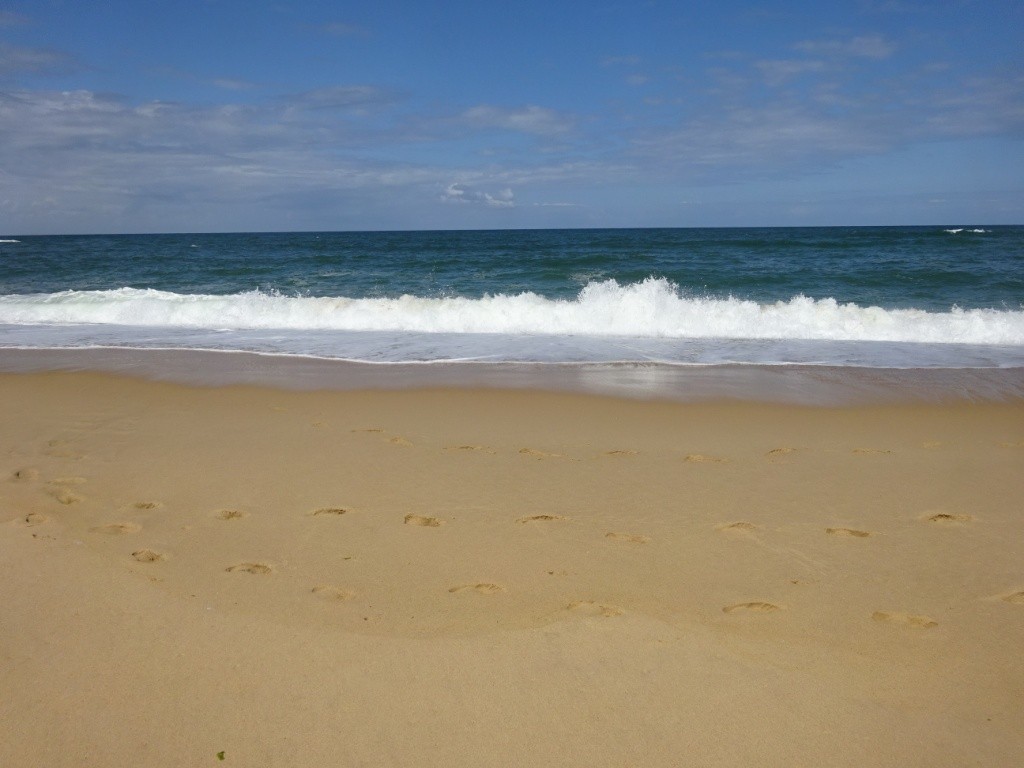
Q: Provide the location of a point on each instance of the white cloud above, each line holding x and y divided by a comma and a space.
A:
502, 199
864, 46
353, 149
454, 193
458, 192
530, 119
780, 71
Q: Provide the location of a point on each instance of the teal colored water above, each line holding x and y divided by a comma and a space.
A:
930, 268
942, 296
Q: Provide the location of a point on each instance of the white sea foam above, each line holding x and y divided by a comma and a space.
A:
962, 229
653, 308
10, 241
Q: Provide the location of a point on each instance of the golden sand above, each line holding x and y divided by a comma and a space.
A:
489, 578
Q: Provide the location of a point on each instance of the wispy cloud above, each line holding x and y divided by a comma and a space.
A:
823, 56
864, 46
35, 61
232, 84
360, 147
530, 119
780, 71
831, 122
342, 97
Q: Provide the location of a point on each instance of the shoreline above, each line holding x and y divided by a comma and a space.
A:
789, 384
464, 577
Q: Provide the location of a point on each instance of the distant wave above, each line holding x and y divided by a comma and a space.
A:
958, 230
10, 241
651, 308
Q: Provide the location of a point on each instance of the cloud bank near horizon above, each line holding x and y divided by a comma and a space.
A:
800, 130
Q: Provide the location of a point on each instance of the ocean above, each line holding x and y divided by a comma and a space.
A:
669, 302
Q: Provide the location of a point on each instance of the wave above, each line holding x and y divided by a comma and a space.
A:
10, 241
652, 308
958, 230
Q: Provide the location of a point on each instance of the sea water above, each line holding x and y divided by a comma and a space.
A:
944, 296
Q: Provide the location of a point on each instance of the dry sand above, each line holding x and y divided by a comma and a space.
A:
487, 578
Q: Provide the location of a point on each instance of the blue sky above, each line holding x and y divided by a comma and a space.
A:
221, 115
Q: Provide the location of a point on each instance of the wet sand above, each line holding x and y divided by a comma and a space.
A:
446, 577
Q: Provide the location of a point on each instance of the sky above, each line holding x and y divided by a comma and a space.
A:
221, 115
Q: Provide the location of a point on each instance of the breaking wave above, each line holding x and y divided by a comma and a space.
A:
653, 308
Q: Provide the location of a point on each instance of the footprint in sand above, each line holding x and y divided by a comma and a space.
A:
66, 496
230, 514
33, 519
478, 448
332, 594
740, 526
700, 458
620, 453
75, 480
147, 556
593, 608
540, 518
870, 451
257, 568
539, 454
117, 529
423, 521
931, 444
58, 450
632, 538
484, 588
848, 532
904, 619
783, 451
27, 474
752, 607
329, 512
147, 505
400, 441
1016, 598
369, 429
946, 518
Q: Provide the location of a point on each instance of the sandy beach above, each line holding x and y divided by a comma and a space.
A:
441, 577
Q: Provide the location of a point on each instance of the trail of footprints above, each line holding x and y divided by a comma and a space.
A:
61, 490
332, 593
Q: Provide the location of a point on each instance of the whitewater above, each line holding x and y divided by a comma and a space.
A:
651, 308
867, 297
648, 321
